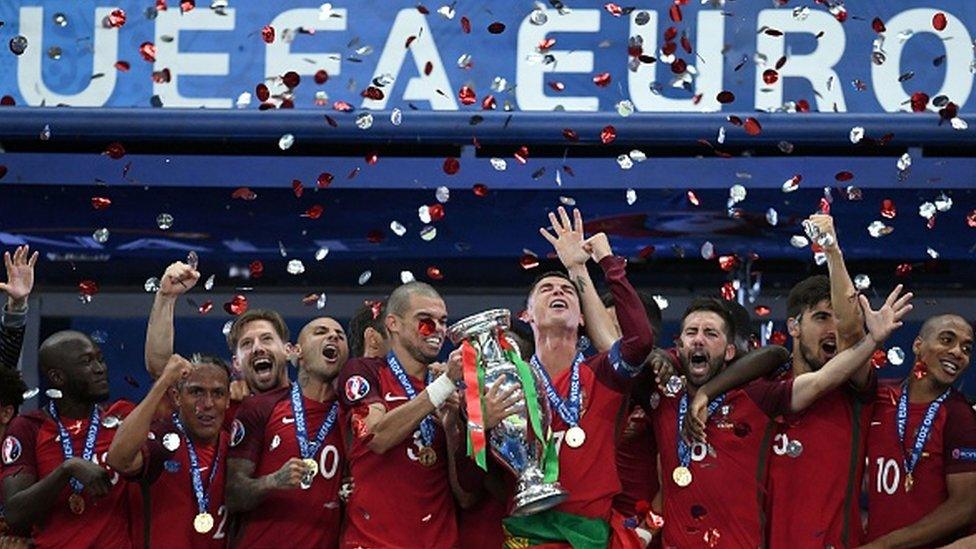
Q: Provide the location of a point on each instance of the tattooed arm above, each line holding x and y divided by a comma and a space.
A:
245, 492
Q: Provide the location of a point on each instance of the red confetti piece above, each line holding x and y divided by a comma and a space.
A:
777, 338
116, 18
262, 92
841, 15
522, 154
919, 370
467, 96
496, 28
802, 105
100, 202
426, 327
314, 212
187, 5
843, 176
161, 77
297, 188
939, 21
761, 310
423, 9
529, 261
321, 76
160, 5
613, 9
879, 358
257, 268
780, 62
725, 97
268, 34
451, 165
602, 79
971, 219
545, 44
675, 13
679, 66
122, 66
87, 288
878, 25
434, 273
148, 51
557, 86
342, 106
374, 236
668, 48
930, 223
428, 68
237, 305
372, 158
206, 307
670, 33
728, 291
888, 210
685, 43
372, 92
824, 206
410, 39
481, 190
291, 79
244, 193
608, 134
770, 76
436, 212
488, 103
950, 111
331, 121
727, 262
466, 25
115, 150
752, 127
570, 134
920, 100
903, 269
693, 198
324, 180
646, 252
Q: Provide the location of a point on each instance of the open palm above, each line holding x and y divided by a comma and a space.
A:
887, 319
20, 273
568, 240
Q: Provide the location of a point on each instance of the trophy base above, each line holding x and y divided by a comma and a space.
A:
537, 499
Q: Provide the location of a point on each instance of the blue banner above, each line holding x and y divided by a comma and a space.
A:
703, 56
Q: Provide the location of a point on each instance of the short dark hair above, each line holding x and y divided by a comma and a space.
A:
370, 315
651, 308
12, 388
198, 358
806, 294
557, 274
713, 305
253, 315
741, 323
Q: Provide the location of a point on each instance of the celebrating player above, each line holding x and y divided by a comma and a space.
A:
286, 460
922, 445
367, 334
54, 479
13, 316
182, 458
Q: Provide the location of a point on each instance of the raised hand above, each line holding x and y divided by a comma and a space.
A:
20, 276
568, 238
178, 279
887, 319
177, 368
598, 246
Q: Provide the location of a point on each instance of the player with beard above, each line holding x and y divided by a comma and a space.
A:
180, 460
367, 334
286, 460
404, 461
53, 478
715, 488
823, 318
921, 477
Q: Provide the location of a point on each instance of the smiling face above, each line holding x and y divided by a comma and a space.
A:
76, 367
814, 334
422, 327
554, 304
202, 400
704, 346
261, 355
323, 347
945, 346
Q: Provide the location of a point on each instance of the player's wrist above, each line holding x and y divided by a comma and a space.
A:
440, 390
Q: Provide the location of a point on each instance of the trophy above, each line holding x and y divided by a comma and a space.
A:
512, 441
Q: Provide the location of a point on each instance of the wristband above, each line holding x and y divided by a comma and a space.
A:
440, 390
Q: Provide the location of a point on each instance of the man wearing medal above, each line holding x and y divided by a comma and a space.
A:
55, 479
585, 396
287, 455
180, 459
921, 447
715, 487
407, 454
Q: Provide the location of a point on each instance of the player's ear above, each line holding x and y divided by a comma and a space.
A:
294, 352
917, 346
729, 352
793, 327
392, 323
56, 377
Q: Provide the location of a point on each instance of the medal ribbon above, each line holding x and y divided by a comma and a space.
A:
474, 382
427, 424
66, 447
684, 450
202, 496
305, 448
924, 430
568, 409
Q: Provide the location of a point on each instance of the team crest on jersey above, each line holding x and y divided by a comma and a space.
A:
11, 450
356, 388
963, 454
236, 432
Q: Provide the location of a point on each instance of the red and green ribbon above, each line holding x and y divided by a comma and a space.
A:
474, 382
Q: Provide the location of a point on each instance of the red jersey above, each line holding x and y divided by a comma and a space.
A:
33, 446
636, 463
950, 449
168, 496
829, 438
396, 501
264, 434
725, 497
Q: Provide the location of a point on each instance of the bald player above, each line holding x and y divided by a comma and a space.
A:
921, 452
54, 476
287, 456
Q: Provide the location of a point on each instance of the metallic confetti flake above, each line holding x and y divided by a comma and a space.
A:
857, 134
772, 217
286, 141
896, 356
321, 253
499, 164
447, 11
927, 210
54, 52
321, 301
820, 258
31, 393
18, 44
398, 228
538, 17
662, 302
226, 329
101, 235
801, 13
424, 213
364, 277
737, 193
958, 123
99, 336
428, 233
625, 108
720, 138
364, 121
877, 229
53, 394
631, 197
295, 267
442, 194
792, 184
673, 387
498, 84
904, 162
151, 285
396, 117
932, 253
707, 250
192, 259
464, 61
625, 162
406, 277
853, 193
60, 19
943, 203
164, 221
637, 155
243, 100
798, 241
862, 282
209, 284
567, 201
45, 132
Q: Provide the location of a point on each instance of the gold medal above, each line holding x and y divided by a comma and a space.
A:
909, 482
76, 503
203, 523
427, 457
312, 466
575, 436
311, 469
681, 476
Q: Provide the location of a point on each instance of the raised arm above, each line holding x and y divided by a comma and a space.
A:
177, 280
125, 453
808, 387
13, 316
948, 518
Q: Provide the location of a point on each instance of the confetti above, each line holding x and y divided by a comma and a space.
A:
631, 197
857, 134
148, 51
115, 19
625, 108
18, 44
237, 305
888, 210
792, 183
862, 282
608, 134
428, 233
151, 285
268, 34
772, 217
939, 21
496, 27
295, 267
364, 277
100, 202
625, 162
321, 254
896, 356
878, 229
101, 235
451, 165
286, 141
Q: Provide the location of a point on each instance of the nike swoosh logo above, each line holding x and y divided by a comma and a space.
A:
875, 423
287, 420
389, 397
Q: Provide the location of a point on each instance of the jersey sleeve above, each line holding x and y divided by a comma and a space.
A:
12, 327
19, 447
154, 455
637, 337
867, 394
359, 384
247, 431
959, 439
774, 398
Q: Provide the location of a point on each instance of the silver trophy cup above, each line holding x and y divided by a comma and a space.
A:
511, 441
